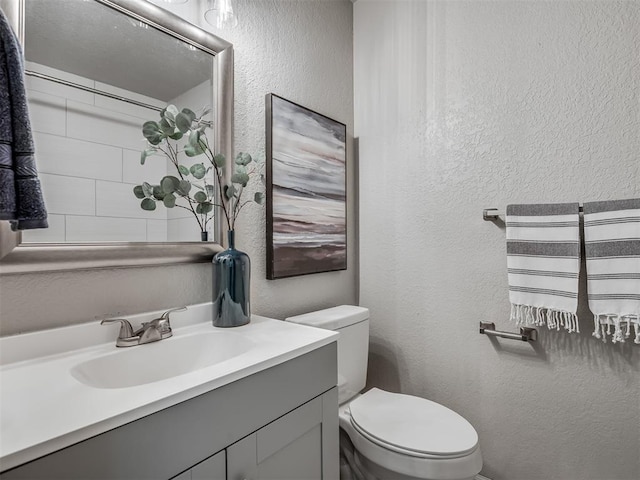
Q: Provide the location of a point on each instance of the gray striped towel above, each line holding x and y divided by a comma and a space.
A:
543, 262
612, 242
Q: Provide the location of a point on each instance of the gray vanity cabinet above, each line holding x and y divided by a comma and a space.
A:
279, 424
213, 468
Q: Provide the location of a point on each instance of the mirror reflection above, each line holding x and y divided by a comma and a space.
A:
88, 145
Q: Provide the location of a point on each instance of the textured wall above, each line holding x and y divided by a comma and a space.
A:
301, 50
464, 105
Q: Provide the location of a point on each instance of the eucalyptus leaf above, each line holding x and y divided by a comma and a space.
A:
147, 189
243, 159
200, 197
229, 191
258, 197
169, 200
145, 154
166, 127
194, 137
211, 190
205, 207
189, 113
198, 170
203, 143
240, 178
150, 127
158, 193
177, 135
219, 160
169, 184
148, 204
171, 112
183, 122
183, 170
184, 187
152, 132
194, 146
138, 191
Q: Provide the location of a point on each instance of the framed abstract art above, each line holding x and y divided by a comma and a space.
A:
306, 191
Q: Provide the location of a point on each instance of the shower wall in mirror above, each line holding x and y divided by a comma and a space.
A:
88, 145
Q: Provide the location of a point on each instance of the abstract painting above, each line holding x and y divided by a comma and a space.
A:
306, 191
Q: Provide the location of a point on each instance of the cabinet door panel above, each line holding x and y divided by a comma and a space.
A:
213, 468
285, 430
289, 448
242, 463
299, 460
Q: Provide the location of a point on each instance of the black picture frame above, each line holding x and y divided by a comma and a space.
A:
306, 183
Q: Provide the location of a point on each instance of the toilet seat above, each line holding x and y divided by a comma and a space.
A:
384, 462
412, 426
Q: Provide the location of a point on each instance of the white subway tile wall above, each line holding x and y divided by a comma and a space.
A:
99, 125
88, 155
178, 229
157, 231
77, 158
47, 113
115, 199
55, 233
85, 229
69, 195
154, 168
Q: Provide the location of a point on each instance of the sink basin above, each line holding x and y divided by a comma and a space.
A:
152, 362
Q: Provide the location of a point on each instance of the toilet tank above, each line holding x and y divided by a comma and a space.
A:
353, 344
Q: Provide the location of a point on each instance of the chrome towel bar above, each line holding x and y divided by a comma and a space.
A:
526, 334
490, 214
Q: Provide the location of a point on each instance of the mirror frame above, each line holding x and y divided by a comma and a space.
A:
17, 257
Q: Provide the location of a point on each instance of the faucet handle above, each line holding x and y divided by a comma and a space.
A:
163, 322
126, 330
165, 315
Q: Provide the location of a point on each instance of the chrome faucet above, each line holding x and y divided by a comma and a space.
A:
153, 331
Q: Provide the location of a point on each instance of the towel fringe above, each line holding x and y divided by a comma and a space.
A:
621, 324
541, 316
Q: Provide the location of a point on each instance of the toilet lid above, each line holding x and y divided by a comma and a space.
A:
412, 425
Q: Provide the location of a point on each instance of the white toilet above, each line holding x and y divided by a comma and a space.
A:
390, 436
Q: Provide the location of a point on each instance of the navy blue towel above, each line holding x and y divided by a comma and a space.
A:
21, 200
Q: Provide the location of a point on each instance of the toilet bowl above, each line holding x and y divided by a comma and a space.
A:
385, 435
402, 437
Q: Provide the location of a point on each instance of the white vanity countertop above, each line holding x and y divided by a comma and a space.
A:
44, 408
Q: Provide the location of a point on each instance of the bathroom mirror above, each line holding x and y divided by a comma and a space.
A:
96, 70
